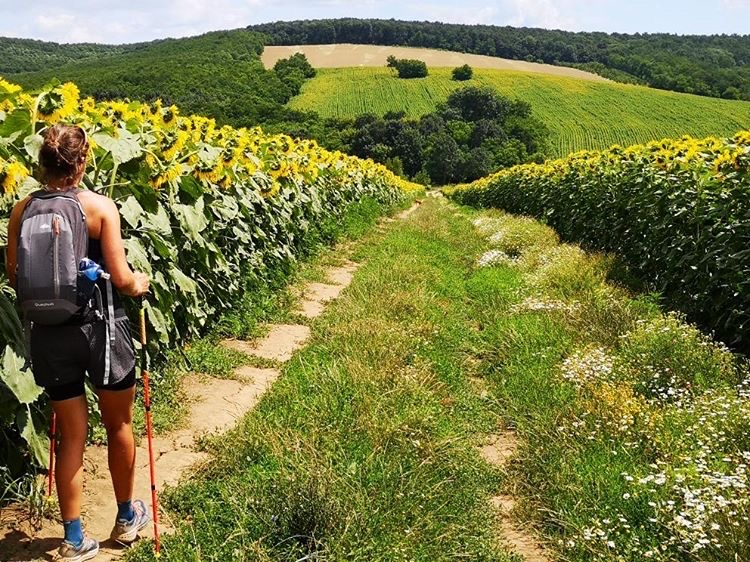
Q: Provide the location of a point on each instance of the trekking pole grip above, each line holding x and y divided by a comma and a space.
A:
142, 319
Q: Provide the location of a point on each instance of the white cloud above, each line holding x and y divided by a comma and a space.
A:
56, 22
542, 13
468, 14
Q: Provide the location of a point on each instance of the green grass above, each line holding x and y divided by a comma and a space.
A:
270, 301
364, 449
581, 114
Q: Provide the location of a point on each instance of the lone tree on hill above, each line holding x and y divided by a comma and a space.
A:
464, 72
407, 68
293, 71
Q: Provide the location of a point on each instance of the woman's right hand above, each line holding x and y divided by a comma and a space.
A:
141, 284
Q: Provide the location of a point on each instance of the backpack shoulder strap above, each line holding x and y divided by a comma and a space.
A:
71, 194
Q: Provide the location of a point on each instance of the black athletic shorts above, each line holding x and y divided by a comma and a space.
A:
61, 356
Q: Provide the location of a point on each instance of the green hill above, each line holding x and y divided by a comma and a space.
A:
218, 73
581, 114
28, 55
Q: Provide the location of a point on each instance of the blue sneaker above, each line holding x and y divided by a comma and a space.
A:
127, 531
84, 551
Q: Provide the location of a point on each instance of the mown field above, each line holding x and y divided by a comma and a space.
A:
339, 55
581, 114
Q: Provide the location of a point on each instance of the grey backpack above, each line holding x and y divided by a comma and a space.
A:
52, 242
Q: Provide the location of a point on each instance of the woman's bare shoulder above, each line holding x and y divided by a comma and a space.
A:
95, 204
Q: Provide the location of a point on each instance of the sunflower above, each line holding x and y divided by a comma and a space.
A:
12, 175
59, 103
170, 114
166, 176
210, 172
154, 113
225, 181
8, 87
87, 105
172, 144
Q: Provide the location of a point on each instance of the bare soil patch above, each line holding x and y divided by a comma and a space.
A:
280, 343
500, 448
498, 451
314, 296
405, 214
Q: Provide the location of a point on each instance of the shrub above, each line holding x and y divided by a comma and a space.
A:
669, 360
464, 72
518, 235
408, 68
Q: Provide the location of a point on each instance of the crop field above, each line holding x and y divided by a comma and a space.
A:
581, 114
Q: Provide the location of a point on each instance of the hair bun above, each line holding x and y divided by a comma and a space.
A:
63, 151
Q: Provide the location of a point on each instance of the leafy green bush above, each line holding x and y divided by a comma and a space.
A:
464, 72
408, 68
669, 360
293, 71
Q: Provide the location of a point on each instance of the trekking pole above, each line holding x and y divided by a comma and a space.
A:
52, 431
147, 405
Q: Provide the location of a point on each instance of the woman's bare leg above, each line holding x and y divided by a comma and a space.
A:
117, 416
72, 423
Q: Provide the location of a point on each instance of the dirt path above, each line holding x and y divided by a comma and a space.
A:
346, 55
216, 405
498, 450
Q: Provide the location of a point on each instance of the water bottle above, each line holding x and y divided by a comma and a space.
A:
89, 272
92, 270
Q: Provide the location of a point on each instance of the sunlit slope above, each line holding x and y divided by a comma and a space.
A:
581, 114
343, 55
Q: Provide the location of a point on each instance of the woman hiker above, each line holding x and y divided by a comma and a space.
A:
61, 355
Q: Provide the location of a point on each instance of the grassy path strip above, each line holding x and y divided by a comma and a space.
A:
366, 446
632, 425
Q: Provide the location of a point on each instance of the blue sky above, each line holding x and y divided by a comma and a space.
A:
138, 20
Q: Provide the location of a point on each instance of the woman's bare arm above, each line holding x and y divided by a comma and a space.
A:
123, 278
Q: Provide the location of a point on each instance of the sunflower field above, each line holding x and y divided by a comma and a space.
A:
676, 211
206, 211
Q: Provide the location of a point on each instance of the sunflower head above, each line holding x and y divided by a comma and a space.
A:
165, 176
12, 175
59, 103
